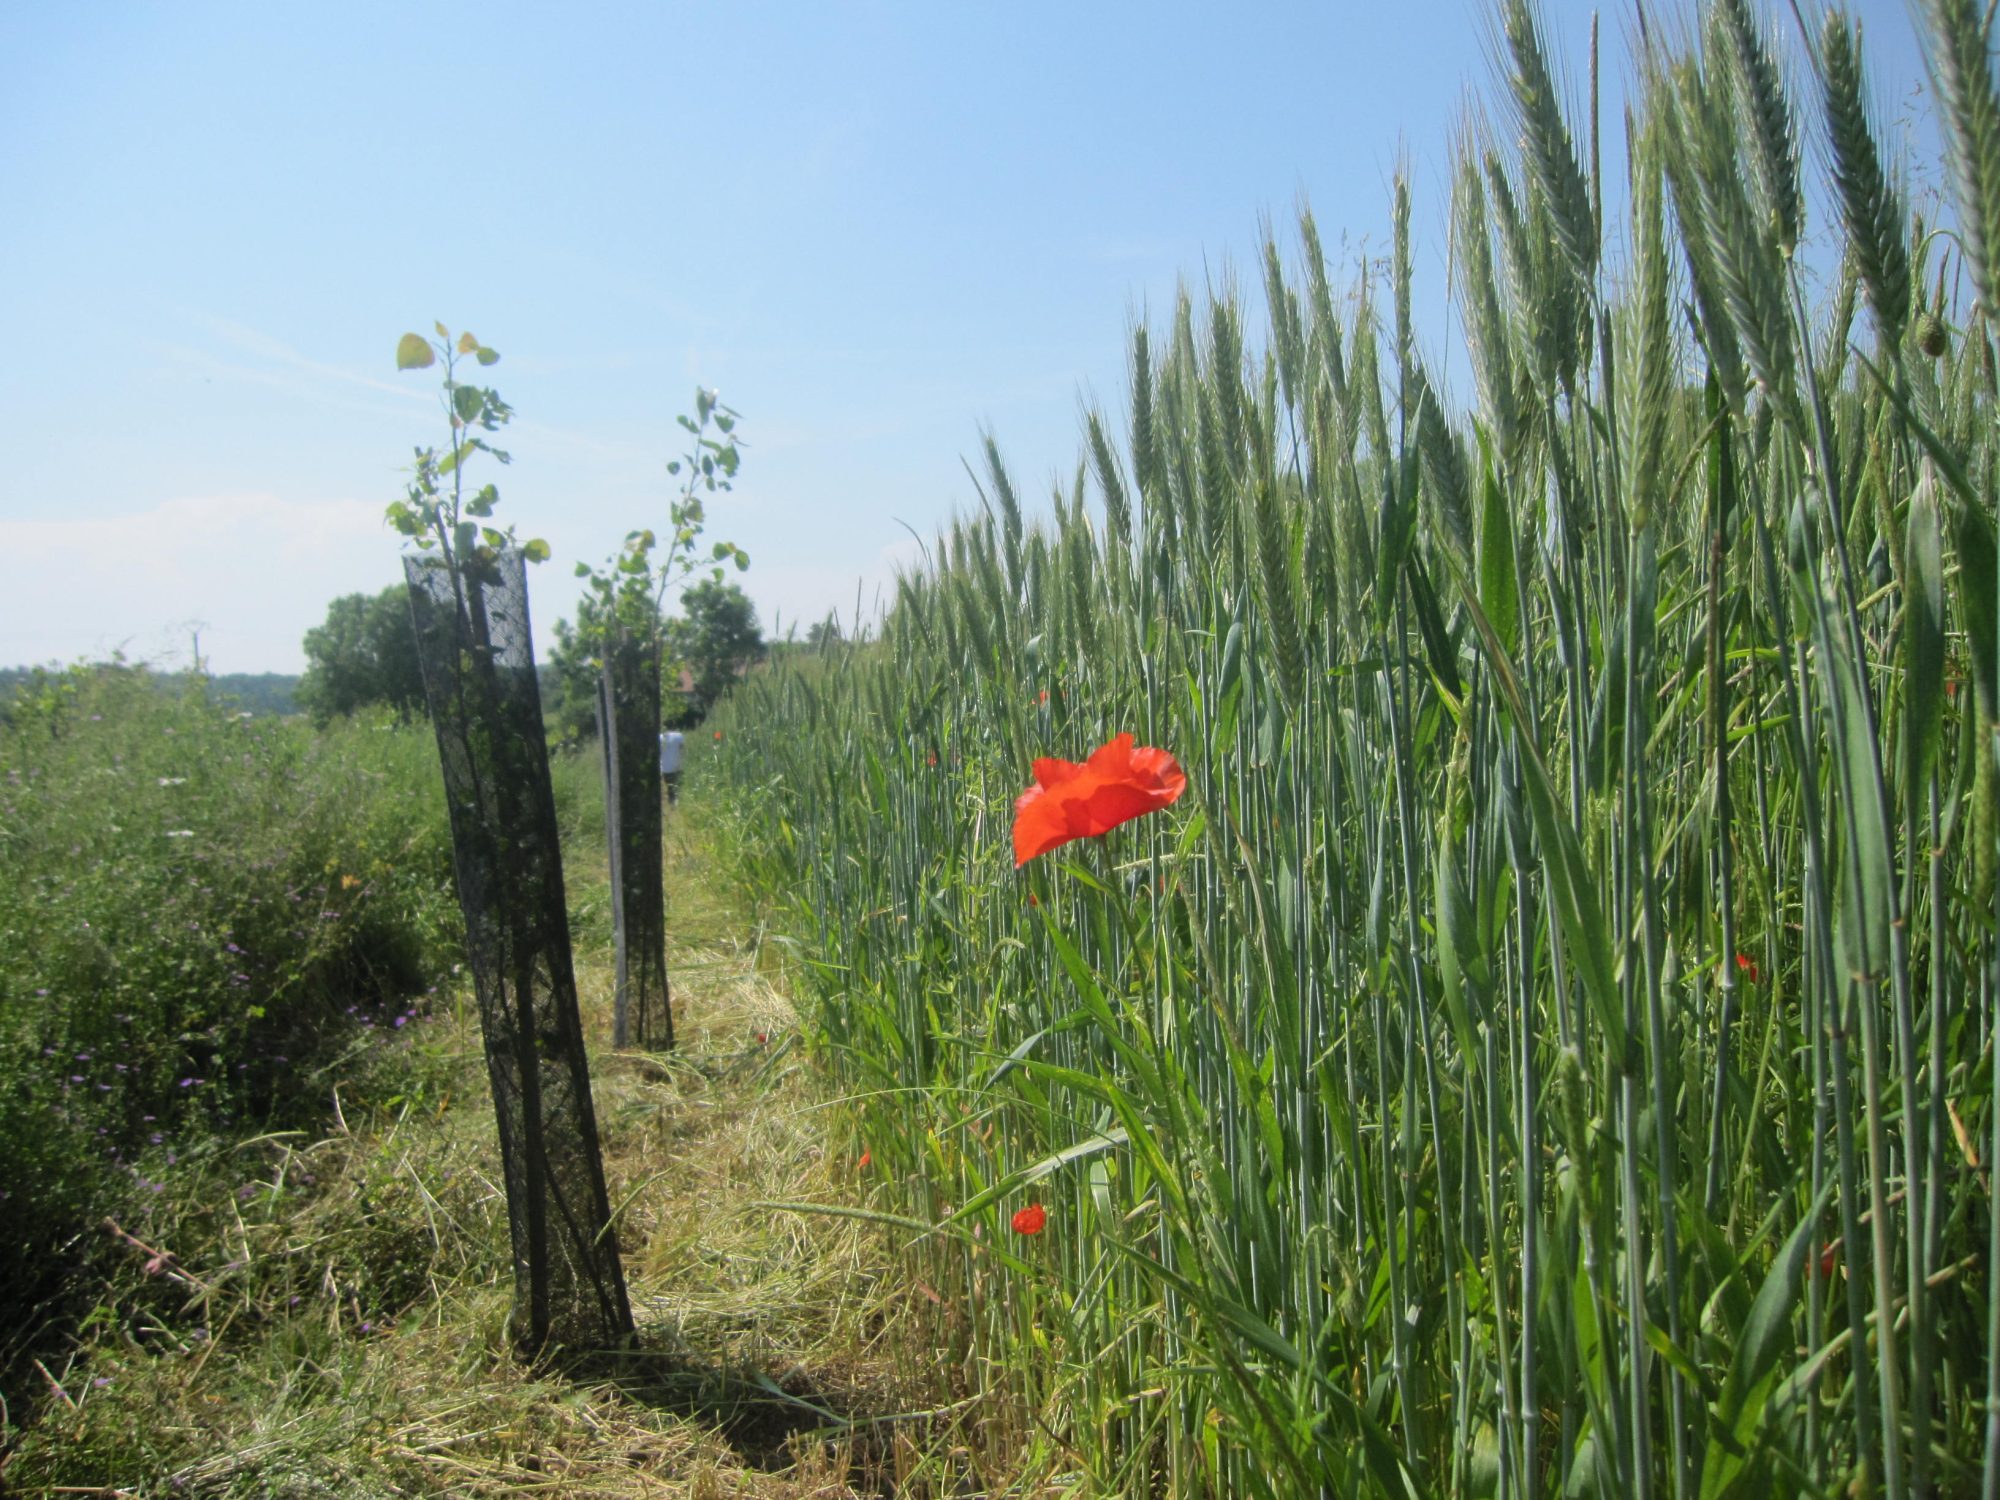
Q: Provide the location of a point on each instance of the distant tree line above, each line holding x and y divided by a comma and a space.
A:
259, 693
365, 654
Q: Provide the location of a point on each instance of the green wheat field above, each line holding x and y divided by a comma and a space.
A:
1549, 1047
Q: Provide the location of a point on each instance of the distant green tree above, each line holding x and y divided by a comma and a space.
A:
569, 690
715, 638
365, 652
823, 634
569, 678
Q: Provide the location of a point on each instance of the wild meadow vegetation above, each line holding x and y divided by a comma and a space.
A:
289, 1276
1549, 1046
204, 917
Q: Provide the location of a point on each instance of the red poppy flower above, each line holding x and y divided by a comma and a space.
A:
1747, 967
1044, 698
1033, 899
1069, 801
718, 736
1031, 1219
931, 759
865, 1159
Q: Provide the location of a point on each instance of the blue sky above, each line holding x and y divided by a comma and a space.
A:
873, 227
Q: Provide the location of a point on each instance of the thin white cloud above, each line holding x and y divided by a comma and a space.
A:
254, 569
255, 342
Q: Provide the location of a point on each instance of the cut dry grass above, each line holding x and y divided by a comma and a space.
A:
328, 1317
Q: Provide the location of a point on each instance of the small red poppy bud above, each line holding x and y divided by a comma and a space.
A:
1033, 899
1747, 967
865, 1159
1030, 1220
763, 1037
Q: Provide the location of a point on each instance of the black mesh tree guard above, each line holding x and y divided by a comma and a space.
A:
479, 676
628, 730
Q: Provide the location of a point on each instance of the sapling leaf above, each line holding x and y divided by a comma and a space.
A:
414, 352
486, 356
468, 401
583, 570
536, 550
467, 343
742, 560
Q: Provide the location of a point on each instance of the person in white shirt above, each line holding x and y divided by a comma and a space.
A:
672, 746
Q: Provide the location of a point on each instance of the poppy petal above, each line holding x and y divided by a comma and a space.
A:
1039, 826
1109, 805
1069, 801
1050, 773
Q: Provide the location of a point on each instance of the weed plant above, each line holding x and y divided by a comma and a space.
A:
324, 1311
205, 920
1549, 1048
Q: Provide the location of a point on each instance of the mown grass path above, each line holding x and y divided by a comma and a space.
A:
330, 1319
